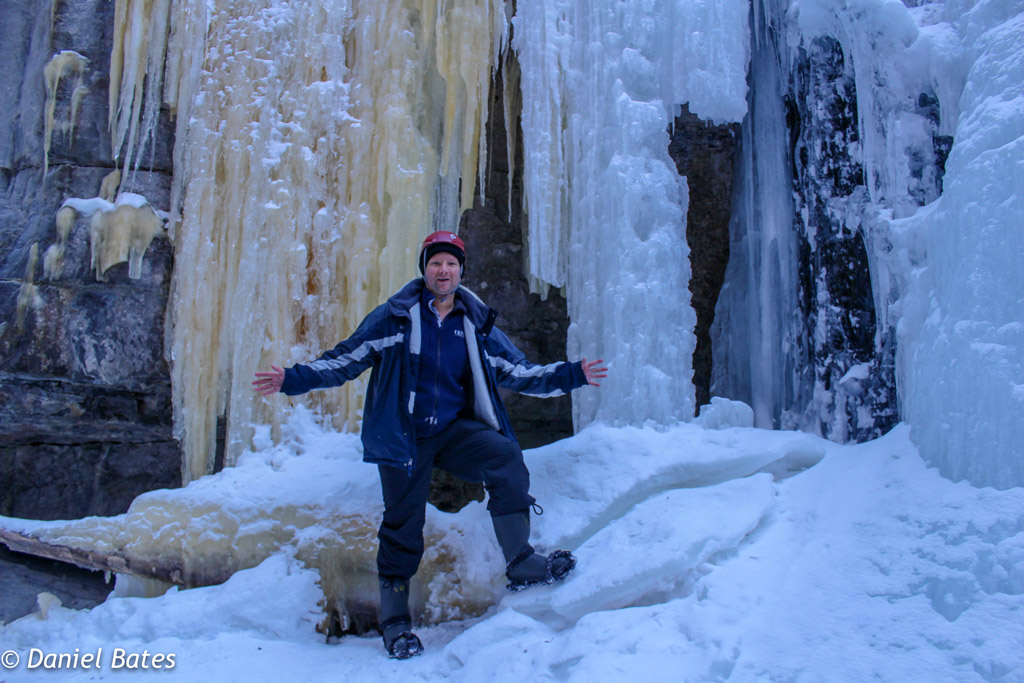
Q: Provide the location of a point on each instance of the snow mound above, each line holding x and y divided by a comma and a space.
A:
277, 599
313, 495
867, 566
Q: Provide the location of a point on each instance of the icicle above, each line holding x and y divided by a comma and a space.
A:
309, 171
606, 207
28, 294
539, 43
76, 101
109, 185
118, 232
513, 103
122, 235
46, 602
759, 350
62, 64
136, 59
53, 260
464, 28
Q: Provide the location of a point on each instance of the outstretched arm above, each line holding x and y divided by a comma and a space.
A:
514, 372
344, 362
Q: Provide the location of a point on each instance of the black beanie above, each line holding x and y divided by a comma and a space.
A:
446, 247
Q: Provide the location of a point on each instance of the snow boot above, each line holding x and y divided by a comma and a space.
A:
395, 621
524, 566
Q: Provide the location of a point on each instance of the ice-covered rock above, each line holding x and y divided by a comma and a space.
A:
723, 413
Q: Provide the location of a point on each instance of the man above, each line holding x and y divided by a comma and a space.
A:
433, 401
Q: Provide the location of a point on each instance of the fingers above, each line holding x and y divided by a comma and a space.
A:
265, 386
276, 372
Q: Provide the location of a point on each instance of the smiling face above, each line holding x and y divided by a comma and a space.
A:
442, 274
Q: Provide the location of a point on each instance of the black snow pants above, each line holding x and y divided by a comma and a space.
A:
470, 451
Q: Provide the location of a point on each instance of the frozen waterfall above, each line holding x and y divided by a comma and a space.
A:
875, 268
307, 170
601, 82
874, 98
962, 324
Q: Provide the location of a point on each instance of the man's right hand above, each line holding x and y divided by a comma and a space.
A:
268, 383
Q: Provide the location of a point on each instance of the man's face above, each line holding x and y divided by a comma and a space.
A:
442, 274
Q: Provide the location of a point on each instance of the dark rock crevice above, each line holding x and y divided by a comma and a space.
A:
25, 576
705, 154
69, 481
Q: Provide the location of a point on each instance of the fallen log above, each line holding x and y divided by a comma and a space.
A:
92, 559
341, 617
193, 537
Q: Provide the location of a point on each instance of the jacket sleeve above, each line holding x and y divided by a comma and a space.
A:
514, 372
349, 359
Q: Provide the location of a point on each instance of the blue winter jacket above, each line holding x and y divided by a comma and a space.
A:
388, 340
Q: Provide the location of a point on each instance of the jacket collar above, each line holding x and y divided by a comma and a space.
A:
408, 296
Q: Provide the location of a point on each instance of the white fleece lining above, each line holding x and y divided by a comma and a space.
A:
415, 334
415, 341
481, 397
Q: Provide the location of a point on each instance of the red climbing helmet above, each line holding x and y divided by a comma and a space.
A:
442, 240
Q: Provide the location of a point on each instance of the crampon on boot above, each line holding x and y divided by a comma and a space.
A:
525, 567
400, 641
531, 568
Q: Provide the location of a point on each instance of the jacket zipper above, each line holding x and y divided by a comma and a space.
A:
437, 375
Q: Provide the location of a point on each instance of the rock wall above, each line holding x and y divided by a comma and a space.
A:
854, 394
85, 417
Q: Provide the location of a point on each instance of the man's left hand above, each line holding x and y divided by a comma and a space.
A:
594, 370
268, 383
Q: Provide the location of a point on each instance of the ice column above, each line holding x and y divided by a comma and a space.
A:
961, 354
65, 63
317, 144
757, 320
606, 208
136, 74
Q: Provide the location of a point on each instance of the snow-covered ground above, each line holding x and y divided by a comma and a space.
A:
824, 562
